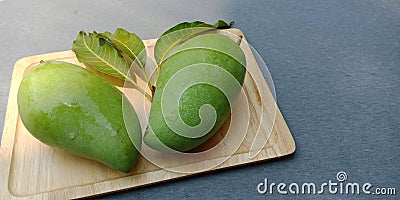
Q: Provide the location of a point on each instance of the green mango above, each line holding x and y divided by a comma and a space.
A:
208, 57
72, 109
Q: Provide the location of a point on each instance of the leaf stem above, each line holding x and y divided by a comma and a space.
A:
147, 79
147, 95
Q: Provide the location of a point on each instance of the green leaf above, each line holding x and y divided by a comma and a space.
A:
179, 34
98, 53
129, 44
222, 24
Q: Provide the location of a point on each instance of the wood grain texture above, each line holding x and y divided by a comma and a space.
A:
30, 169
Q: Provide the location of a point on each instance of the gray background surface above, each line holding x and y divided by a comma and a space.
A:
335, 65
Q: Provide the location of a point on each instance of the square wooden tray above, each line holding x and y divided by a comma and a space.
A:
32, 170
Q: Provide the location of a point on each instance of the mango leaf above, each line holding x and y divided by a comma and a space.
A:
101, 55
222, 24
129, 44
180, 33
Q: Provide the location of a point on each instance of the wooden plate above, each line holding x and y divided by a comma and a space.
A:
32, 170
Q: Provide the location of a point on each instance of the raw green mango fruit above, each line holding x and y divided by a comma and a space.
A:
70, 108
202, 58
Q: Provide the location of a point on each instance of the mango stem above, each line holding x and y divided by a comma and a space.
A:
239, 40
